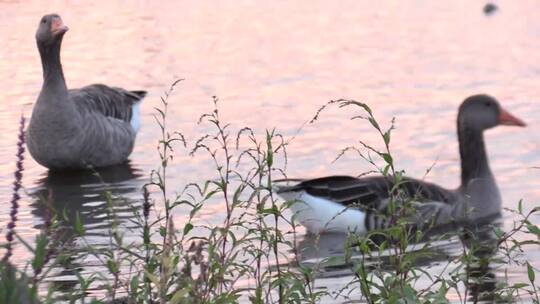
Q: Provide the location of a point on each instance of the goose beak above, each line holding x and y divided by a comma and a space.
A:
58, 27
505, 118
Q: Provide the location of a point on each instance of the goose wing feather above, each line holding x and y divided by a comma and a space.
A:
370, 192
107, 101
433, 204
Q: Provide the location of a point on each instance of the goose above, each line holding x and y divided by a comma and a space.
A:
348, 204
94, 126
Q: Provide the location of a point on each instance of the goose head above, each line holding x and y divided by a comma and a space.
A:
50, 30
481, 112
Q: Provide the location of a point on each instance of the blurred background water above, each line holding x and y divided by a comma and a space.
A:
272, 64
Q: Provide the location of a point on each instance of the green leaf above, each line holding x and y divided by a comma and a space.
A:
386, 137
385, 170
187, 228
410, 294
387, 158
162, 231
270, 152
530, 272
374, 123
519, 285
134, 284
65, 215
40, 251
79, 227
533, 229
112, 266
366, 108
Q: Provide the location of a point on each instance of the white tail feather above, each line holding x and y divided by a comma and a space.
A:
322, 215
136, 117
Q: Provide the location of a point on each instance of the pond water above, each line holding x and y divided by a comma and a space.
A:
273, 64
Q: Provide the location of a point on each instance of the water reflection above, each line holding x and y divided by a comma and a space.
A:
313, 249
474, 247
481, 243
85, 192
93, 195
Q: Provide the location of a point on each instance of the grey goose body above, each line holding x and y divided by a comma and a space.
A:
94, 126
345, 203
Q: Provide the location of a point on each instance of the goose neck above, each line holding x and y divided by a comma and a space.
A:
474, 160
53, 75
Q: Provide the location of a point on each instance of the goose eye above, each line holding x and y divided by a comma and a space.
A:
487, 104
43, 20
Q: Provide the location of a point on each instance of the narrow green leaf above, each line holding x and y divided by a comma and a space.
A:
112, 266
40, 251
162, 231
530, 272
187, 228
533, 229
373, 122
385, 170
386, 137
519, 285
387, 158
270, 152
79, 227
134, 284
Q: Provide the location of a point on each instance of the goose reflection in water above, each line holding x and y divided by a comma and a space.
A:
481, 277
325, 253
85, 193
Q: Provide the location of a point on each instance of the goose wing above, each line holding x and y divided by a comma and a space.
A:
369, 192
109, 123
433, 204
108, 101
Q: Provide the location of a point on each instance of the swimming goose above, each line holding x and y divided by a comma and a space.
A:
72, 129
350, 204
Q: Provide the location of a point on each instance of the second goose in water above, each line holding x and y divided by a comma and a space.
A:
344, 203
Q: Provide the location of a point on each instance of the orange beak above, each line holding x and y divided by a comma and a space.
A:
58, 27
505, 118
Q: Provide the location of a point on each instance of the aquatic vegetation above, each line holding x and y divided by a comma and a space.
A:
252, 255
